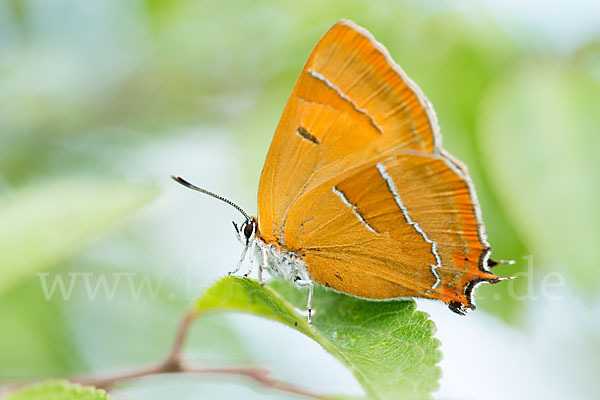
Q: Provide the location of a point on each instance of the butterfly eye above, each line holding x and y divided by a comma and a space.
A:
248, 229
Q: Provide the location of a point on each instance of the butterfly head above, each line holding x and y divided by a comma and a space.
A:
246, 230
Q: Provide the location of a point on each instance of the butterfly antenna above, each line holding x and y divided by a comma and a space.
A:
188, 185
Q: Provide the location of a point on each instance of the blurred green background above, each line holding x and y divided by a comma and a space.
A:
100, 101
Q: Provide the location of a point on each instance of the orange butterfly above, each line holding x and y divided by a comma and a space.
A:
357, 194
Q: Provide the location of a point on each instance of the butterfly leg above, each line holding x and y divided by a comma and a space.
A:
309, 283
239, 264
252, 255
262, 265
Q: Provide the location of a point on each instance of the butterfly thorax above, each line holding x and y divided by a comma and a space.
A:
282, 263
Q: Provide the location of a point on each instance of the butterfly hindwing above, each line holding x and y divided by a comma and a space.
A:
403, 226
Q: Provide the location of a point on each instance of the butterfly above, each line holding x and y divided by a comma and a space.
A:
357, 193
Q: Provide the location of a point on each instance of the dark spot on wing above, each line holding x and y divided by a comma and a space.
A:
339, 277
307, 135
458, 307
308, 220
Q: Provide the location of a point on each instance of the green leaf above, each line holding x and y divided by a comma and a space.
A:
59, 390
43, 225
386, 344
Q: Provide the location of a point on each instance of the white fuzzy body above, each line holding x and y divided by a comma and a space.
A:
286, 265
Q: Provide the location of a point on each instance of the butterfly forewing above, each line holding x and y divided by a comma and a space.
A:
350, 105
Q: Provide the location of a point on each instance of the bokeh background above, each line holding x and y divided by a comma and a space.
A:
100, 101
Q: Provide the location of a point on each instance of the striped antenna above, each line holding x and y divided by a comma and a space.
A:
188, 185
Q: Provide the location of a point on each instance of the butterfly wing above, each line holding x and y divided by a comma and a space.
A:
357, 183
350, 105
401, 227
